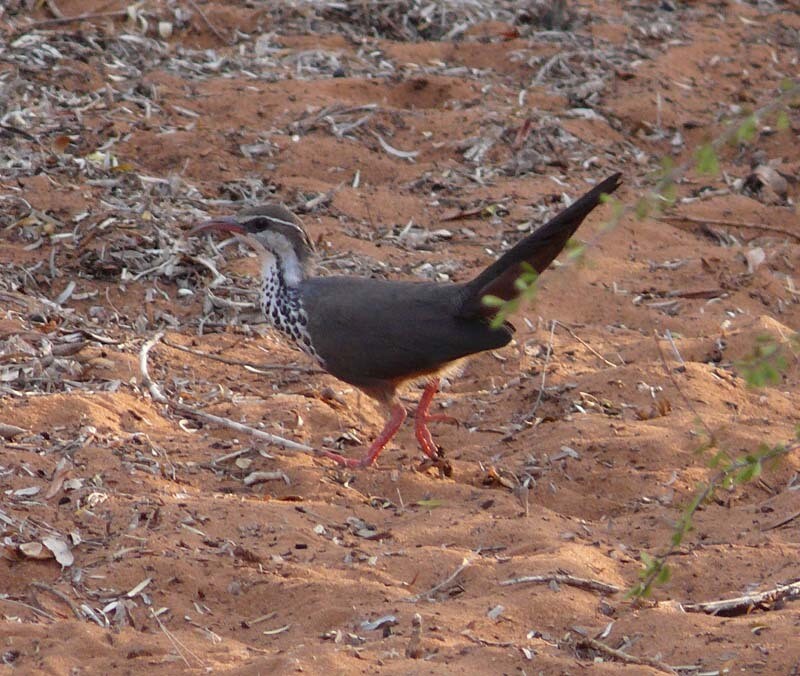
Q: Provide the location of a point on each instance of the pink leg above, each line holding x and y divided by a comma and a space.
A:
398, 415
422, 418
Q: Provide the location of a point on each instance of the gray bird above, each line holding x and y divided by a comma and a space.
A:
380, 335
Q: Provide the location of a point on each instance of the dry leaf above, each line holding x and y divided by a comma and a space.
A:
35, 550
10, 431
60, 144
28, 492
62, 469
139, 587
60, 550
754, 257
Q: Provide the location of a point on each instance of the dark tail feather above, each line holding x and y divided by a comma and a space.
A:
538, 250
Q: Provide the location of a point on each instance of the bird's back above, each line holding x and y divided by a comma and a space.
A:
369, 330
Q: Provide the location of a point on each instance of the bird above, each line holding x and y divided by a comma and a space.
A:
381, 335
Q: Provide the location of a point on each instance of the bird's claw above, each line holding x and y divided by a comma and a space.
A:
438, 461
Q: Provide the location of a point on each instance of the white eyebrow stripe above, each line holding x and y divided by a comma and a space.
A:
273, 219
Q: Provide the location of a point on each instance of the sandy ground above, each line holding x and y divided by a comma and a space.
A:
118, 133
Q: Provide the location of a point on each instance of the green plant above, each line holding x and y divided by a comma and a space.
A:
655, 570
525, 284
766, 362
763, 367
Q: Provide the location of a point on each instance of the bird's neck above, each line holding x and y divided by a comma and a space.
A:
279, 281
281, 302
280, 256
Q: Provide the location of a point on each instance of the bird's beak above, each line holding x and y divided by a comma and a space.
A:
224, 223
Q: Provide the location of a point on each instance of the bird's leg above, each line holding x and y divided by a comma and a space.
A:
422, 418
396, 418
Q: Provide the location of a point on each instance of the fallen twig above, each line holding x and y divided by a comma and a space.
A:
179, 647
210, 25
37, 611
157, 395
485, 641
732, 224
237, 362
464, 565
53, 7
686, 400
544, 371
741, 605
620, 656
561, 578
402, 154
61, 596
88, 16
261, 477
585, 344
782, 522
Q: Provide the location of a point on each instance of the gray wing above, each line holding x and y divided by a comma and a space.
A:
368, 330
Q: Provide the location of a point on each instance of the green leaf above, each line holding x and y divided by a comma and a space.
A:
720, 458
492, 301
765, 364
747, 130
748, 473
668, 195
707, 162
642, 208
664, 574
429, 504
576, 251
520, 284
783, 123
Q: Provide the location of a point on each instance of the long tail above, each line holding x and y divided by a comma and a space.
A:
538, 250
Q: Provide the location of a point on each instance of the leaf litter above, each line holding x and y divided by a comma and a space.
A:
99, 263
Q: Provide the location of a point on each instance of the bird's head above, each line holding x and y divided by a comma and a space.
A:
269, 229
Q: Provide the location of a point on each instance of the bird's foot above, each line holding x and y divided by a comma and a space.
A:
389, 430
441, 463
422, 418
344, 461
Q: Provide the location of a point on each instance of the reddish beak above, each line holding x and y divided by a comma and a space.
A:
224, 223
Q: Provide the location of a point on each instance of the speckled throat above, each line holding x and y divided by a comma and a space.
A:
283, 307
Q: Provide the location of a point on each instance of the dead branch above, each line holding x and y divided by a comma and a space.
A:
731, 224
742, 605
157, 395
179, 647
261, 477
782, 522
683, 395
620, 656
61, 596
246, 364
88, 16
34, 609
487, 642
464, 565
569, 580
544, 371
210, 25
585, 344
